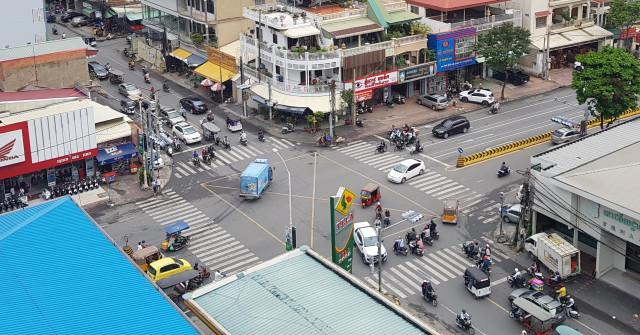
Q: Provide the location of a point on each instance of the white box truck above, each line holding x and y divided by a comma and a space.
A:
554, 252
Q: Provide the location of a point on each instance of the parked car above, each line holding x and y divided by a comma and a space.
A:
167, 267
406, 170
80, 21
433, 101
511, 213
564, 135
164, 110
129, 90
193, 105
450, 126
366, 239
98, 70
172, 118
545, 301
516, 77
51, 18
187, 133
478, 95
127, 106
68, 16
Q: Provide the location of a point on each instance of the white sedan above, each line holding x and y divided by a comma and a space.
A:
406, 170
366, 238
186, 133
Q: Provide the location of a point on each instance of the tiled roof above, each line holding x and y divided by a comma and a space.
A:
449, 5
62, 275
55, 93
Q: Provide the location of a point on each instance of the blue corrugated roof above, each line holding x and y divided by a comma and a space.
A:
62, 275
302, 296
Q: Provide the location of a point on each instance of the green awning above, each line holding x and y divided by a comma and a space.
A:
402, 17
88, 11
110, 13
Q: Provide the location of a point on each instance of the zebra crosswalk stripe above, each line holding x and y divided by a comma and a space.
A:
399, 283
429, 261
413, 284
435, 183
389, 166
231, 269
213, 251
391, 287
458, 257
414, 276
232, 259
226, 252
450, 261
450, 183
242, 151
467, 205
221, 156
362, 152
278, 144
384, 161
253, 150
419, 266
179, 171
353, 145
374, 284
235, 154
426, 176
430, 179
186, 167
169, 212
445, 265
287, 142
376, 157
446, 195
176, 206
352, 150
447, 190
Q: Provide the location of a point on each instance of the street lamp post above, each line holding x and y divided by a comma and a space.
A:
291, 228
501, 236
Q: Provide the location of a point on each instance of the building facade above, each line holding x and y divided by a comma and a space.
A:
30, 16
584, 190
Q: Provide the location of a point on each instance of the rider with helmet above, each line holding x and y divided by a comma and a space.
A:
464, 317
427, 289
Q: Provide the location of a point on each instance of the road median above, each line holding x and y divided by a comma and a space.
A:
526, 142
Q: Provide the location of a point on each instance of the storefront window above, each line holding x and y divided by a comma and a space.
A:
632, 262
541, 22
415, 10
465, 47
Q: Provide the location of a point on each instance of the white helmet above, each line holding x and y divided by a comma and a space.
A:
516, 270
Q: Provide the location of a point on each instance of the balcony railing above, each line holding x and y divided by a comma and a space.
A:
317, 56
366, 48
489, 22
287, 87
196, 14
571, 24
277, 16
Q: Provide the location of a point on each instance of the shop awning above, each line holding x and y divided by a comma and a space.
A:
301, 32
194, 60
109, 131
302, 111
88, 11
110, 13
214, 72
574, 37
180, 54
134, 16
353, 27
259, 99
316, 103
114, 154
402, 17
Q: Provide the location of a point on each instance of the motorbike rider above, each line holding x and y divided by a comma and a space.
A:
260, 135
204, 153
464, 317
556, 279
411, 235
418, 146
165, 86
398, 245
54, 30
561, 292
132, 64
517, 277
487, 251
504, 167
64, 35
533, 269
495, 107
426, 232
243, 137
427, 289
382, 146
147, 78
378, 210
432, 226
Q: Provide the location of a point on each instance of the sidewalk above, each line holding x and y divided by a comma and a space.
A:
598, 298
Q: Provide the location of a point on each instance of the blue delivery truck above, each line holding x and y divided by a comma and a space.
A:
255, 178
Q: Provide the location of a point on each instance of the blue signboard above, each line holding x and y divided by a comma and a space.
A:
454, 49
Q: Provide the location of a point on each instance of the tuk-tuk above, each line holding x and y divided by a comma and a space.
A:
369, 194
209, 130
450, 211
477, 282
534, 319
116, 76
90, 41
566, 330
145, 256
178, 278
174, 240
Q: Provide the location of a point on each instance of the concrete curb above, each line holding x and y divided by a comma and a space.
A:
504, 149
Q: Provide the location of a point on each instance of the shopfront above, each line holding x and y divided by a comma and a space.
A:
455, 58
412, 81
374, 87
117, 158
45, 151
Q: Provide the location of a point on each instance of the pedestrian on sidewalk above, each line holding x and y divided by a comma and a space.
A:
139, 246
156, 186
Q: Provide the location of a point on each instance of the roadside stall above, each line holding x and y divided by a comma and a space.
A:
117, 158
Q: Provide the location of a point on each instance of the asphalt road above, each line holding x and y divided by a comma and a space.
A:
232, 234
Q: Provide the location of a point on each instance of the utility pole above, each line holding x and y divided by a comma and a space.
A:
270, 104
244, 101
258, 37
525, 202
501, 238
332, 87
354, 100
144, 145
547, 66
220, 68
379, 260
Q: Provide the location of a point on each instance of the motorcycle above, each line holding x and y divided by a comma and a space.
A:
428, 240
399, 99
416, 149
359, 123
287, 128
146, 79
243, 141
400, 251
433, 299
415, 250
465, 325
517, 282
570, 310
388, 103
165, 87
504, 172
261, 137
382, 147
132, 66
55, 31
196, 161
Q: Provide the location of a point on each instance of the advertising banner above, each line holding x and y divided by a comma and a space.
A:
417, 72
376, 80
364, 95
342, 228
454, 49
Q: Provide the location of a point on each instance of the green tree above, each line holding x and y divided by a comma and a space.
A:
623, 14
502, 47
347, 99
608, 82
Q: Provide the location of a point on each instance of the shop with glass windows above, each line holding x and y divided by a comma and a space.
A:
456, 59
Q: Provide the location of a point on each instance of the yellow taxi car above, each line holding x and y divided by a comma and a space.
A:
167, 267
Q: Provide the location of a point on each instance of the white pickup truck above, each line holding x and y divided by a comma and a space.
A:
554, 252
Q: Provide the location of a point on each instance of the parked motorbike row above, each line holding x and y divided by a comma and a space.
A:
70, 188
12, 203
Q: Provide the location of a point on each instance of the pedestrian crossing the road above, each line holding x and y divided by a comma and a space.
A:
440, 266
226, 157
210, 243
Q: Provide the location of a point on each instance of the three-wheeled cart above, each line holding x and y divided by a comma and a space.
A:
450, 211
369, 194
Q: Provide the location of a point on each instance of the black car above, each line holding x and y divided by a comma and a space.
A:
516, 77
98, 70
68, 16
450, 126
51, 18
193, 105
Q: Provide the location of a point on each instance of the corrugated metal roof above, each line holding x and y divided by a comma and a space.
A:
64, 276
102, 113
44, 48
302, 296
53, 93
567, 157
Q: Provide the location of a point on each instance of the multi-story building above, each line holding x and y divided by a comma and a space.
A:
29, 16
560, 30
300, 52
219, 22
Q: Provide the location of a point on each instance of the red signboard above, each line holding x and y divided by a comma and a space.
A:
628, 33
376, 80
364, 95
26, 165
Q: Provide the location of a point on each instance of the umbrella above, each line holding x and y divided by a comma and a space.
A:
217, 87
206, 82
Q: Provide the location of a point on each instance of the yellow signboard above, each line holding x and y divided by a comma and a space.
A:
221, 59
345, 199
